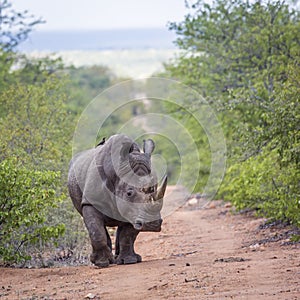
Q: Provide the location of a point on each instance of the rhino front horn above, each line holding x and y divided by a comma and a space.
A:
161, 191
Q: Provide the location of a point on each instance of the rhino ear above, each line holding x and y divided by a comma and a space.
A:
148, 146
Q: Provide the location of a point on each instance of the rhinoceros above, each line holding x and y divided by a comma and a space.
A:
113, 184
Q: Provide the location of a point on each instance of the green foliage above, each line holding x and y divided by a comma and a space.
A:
35, 138
25, 198
16, 68
15, 27
235, 52
85, 83
38, 108
236, 45
36, 125
244, 58
36, 70
36, 131
260, 183
198, 141
281, 121
270, 181
295, 238
6, 62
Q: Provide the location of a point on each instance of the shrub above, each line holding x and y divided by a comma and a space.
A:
263, 184
25, 198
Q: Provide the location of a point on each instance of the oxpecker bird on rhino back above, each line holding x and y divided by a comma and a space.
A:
114, 185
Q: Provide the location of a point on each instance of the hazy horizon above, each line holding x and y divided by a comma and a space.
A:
89, 40
134, 53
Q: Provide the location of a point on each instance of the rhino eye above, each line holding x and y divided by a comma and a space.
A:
129, 193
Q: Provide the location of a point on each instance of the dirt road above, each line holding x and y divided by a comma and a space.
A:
199, 254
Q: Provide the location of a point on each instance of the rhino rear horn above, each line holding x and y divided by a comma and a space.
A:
161, 190
148, 146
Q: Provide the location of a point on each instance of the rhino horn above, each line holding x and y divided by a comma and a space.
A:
161, 190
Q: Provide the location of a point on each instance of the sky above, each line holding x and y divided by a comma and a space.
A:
103, 14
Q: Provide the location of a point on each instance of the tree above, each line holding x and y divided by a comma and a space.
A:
235, 52
240, 56
36, 131
14, 26
269, 181
36, 125
85, 84
236, 45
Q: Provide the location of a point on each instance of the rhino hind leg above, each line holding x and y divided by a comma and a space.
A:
125, 239
109, 244
100, 240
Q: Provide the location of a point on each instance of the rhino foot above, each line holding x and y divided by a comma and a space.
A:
101, 261
128, 259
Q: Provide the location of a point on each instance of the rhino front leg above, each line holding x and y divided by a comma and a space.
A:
100, 240
125, 238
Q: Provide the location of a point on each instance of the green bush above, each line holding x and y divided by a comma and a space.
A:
261, 183
244, 58
25, 198
35, 124
269, 181
34, 152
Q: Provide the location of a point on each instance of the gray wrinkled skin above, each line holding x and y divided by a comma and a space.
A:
114, 185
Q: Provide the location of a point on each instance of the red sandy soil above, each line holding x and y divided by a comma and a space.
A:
206, 253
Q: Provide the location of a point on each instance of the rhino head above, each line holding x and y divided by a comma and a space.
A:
139, 199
